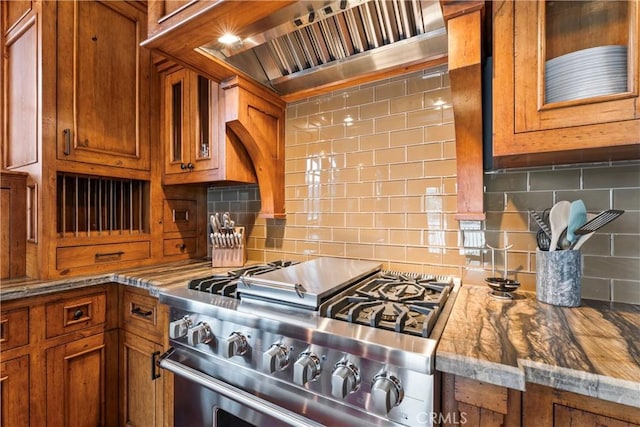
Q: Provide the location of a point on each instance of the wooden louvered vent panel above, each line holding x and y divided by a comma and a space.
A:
92, 206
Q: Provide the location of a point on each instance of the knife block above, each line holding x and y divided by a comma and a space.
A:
230, 257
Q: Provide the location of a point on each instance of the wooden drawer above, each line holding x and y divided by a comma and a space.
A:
83, 256
76, 313
141, 313
180, 215
179, 246
14, 328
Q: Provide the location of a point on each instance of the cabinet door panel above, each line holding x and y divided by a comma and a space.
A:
532, 113
20, 102
142, 395
76, 374
103, 86
176, 121
14, 392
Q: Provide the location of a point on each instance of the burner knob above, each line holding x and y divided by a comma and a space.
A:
199, 334
178, 328
276, 358
235, 345
386, 392
306, 368
345, 379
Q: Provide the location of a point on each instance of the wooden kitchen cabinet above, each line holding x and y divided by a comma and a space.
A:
533, 124
103, 88
141, 386
196, 145
146, 392
14, 366
59, 352
78, 373
76, 117
473, 403
544, 406
14, 392
13, 220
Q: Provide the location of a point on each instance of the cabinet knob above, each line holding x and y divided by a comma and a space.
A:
183, 166
77, 314
190, 165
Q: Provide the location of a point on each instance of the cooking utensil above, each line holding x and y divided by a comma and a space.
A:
595, 222
558, 219
543, 240
541, 223
577, 218
602, 219
581, 240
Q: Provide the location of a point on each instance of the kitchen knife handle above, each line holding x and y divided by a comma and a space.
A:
67, 142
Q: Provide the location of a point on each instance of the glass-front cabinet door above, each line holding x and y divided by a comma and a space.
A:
176, 108
191, 125
576, 63
207, 125
565, 82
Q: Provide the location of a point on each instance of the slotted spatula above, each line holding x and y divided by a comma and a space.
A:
602, 219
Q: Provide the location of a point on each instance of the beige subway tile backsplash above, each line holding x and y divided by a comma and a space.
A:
370, 173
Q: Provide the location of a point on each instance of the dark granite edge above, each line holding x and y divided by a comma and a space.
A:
481, 370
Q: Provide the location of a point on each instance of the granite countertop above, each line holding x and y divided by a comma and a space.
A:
593, 349
154, 278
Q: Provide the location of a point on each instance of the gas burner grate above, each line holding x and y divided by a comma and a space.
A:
403, 302
225, 283
217, 284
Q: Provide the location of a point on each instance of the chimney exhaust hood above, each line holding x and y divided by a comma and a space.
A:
309, 44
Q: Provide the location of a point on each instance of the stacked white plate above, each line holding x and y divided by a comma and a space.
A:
586, 73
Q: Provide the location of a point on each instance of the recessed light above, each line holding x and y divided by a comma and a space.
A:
229, 38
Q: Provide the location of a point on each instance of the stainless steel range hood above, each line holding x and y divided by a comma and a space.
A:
313, 43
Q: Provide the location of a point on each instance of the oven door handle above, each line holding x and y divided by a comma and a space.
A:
233, 393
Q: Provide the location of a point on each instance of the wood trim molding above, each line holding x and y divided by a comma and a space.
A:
259, 124
465, 73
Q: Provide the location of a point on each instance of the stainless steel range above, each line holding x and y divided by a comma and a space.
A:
331, 341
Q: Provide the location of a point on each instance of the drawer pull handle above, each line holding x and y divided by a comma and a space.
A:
180, 216
77, 314
183, 247
138, 312
3, 330
154, 362
110, 255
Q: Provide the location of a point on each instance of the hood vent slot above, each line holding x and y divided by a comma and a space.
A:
334, 35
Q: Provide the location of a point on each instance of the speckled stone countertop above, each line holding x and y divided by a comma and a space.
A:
593, 349
153, 278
